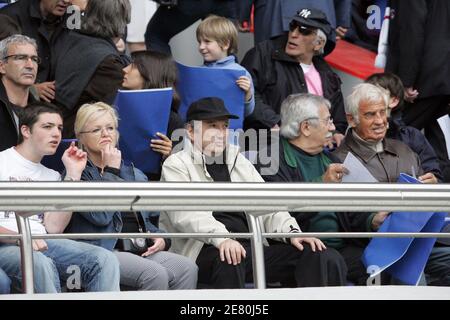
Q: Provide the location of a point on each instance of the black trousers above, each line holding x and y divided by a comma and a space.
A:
283, 262
423, 114
167, 23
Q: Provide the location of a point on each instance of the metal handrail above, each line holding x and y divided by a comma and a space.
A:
255, 198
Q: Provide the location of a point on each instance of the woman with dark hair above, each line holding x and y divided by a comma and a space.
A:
153, 70
86, 65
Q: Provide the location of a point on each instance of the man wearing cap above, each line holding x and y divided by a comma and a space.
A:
271, 18
293, 63
225, 262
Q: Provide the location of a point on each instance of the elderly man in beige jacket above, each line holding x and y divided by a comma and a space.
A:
225, 262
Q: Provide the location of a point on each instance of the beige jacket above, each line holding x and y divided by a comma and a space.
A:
189, 165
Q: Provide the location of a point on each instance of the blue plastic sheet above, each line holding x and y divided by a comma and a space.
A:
142, 114
404, 258
199, 82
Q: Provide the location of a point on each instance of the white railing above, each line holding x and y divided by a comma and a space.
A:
254, 198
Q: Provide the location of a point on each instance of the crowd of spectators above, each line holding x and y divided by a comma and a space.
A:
59, 82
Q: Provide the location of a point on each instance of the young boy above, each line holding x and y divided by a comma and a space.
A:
40, 134
399, 131
217, 43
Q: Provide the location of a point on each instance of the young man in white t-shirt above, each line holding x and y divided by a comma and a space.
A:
53, 260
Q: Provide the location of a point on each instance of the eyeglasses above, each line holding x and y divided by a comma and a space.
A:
305, 31
23, 58
328, 121
98, 131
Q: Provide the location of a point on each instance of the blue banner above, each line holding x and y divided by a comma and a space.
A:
142, 114
199, 82
404, 258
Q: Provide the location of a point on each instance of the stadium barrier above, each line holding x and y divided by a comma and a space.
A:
254, 198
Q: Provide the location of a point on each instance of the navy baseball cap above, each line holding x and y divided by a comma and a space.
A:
315, 18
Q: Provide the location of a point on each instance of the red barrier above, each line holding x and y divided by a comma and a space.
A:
354, 60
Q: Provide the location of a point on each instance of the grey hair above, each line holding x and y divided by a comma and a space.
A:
106, 18
320, 36
297, 108
365, 92
15, 39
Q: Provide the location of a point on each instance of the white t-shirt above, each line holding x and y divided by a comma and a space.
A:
14, 167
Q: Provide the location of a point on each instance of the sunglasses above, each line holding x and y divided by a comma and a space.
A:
305, 31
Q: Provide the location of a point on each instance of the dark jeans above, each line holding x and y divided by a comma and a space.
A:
283, 262
167, 23
5, 282
422, 114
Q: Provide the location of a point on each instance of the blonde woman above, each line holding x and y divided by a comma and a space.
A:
144, 265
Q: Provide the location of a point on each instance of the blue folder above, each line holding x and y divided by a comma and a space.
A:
404, 258
199, 82
142, 114
55, 161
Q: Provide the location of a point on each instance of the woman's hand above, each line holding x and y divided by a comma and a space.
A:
158, 245
163, 145
111, 157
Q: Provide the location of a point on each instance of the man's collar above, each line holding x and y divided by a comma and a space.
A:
289, 155
4, 95
364, 152
232, 152
376, 146
230, 58
35, 12
290, 151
